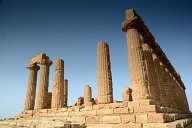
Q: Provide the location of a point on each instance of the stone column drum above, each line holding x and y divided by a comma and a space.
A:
41, 102
31, 87
65, 92
57, 94
87, 95
104, 78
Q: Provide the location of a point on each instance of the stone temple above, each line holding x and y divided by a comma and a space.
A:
156, 98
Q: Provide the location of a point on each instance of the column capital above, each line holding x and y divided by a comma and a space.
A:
33, 67
46, 61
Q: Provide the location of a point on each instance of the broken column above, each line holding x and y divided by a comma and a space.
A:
87, 95
65, 92
31, 87
127, 94
41, 102
104, 78
57, 94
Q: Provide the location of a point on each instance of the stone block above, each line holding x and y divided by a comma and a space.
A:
43, 110
146, 102
59, 114
124, 104
98, 106
91, 113
131, 125
156, 118
28, 112
77, 119
58, 124
88, 108
74, 113
128, 118
113, 105
120, 110
111, 119
141, 118
93, 119
63, 109
104, 111
148, 108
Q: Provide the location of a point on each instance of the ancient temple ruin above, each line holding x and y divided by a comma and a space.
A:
156, 98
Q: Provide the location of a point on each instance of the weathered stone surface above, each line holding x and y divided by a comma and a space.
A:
128, 118
31, 87
127, 94
156, 117
124, 110
141, 118
111, 119
87, 95
104, 111
104, 77
58, 94
41, 102
65, 92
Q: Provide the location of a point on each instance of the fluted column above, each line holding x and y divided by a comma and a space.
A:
87, 95
127, 94
57, 94
65, 92
31, 87
104, 78
41, 101
137, 65
140, 59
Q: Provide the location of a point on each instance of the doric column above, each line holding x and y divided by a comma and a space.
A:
31, 87
137, 65
104, 78
87, 95
152, 76
57, 94
127, 94
65, 92
41, 102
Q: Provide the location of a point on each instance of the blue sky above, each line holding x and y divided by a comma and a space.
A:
70, 30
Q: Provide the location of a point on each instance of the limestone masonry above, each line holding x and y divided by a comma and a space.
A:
156, 98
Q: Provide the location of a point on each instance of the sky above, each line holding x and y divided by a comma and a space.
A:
71, 29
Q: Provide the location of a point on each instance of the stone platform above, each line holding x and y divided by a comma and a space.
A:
140, 114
